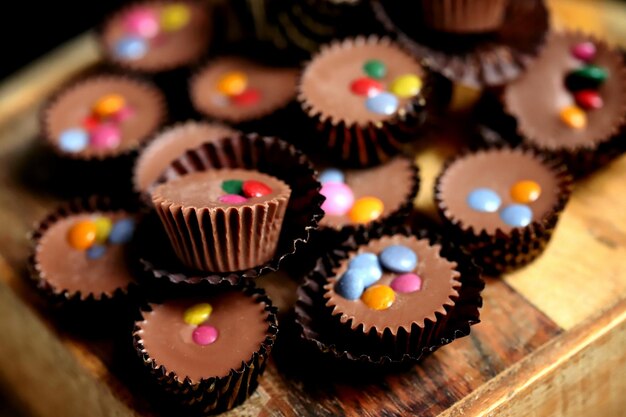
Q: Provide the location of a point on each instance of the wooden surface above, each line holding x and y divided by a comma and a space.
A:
551, 342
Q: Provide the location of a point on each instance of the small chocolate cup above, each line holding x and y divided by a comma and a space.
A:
212, 394
476, 60
270, 156
368, 144
319, 328
500, 252
464, 16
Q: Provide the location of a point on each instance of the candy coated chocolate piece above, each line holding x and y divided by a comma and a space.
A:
197, 314
525, 191
204, 335
109, 104
249, 97
174, 17
331, 175
573, 117
516, 215
142, 22
105, 136
375, 68
585, 51
366, 87
232, 186
484, 200
90, 122
589, 77
122, 231
252, 188
406, 86
406, 283
232, 83
123, 114
368, 267
232, 199
350, 286
131, 48
96, 251
82, 234
383, 103
103, 229
589, 99
398, 258
366, 209
379, 297
73, 140
339, 198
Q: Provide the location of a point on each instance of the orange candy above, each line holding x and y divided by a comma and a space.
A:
366, 209
379, 297
109, 104
82, 234
525, 191
232, 83
574, 117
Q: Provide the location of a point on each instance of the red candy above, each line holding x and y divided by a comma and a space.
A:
249, 97
589, 99
253, 188
366, 86
90, 122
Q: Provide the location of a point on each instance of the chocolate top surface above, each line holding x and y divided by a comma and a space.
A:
72, 106
241, 322
326, 80
497, 170
68, 269
168, 50
375, 182
170, 145
537, 97
276, 87
202, 189
440, 284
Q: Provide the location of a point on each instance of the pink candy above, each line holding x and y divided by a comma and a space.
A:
105, 136
125, 113
585, 51
142, 22
406, 283
232, 199
204, 335
339, 198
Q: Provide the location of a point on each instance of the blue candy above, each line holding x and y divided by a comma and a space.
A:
73, 140
96, 251
484, 199
516, 215
131, 47
331, 175
398, 258
122, 231
350, 286
382, 103
368, 267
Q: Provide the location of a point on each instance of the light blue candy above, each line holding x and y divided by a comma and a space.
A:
122, 231
96, 251
73, 140
331, 175
350, 286
131, 47
484, 199
516, 215
382, 103
368, 267
398, 258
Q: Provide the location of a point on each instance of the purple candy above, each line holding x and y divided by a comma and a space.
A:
406, 283
232, 199
585, 51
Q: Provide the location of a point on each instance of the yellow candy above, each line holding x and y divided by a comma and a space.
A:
366, 209
233, 83
379, 297
574, 117
406, 86
108, 105
82, 235
174, 17
525, 191
103, 228
198, 314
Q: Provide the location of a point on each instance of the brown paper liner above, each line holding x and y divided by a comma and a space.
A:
463, 16
370, 144
267, 155
337, 342
213, 394
475, 60
501, 252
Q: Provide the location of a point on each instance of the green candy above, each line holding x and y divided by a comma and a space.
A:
375, 69
232, 186
592, 72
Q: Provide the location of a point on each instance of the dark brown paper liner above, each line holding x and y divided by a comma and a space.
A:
474, 60
214, 394
319, 328
501, 252
267, 155
373, 143
65, 298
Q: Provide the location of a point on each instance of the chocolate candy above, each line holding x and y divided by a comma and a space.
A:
516, 215
331, 175
232, 186
406, 86
122, 231
82, 234
585, 51
398, 258
105, 136
406, 283
108, 105
131, 48
589, 99
252, 188
573, 117
383, 103
232, 199
249, 97
73, 140
375, 68
232, 83
525, 191
123, 114
204, 335
197, 314
379, 297
96, 251
174, 17
589, 77
366, 209
484, 200
103, 229
339, 198
366, 87
350, 286
142, 22
368, 268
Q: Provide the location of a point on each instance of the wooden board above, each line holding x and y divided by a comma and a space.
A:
551, 341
